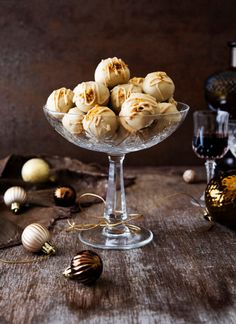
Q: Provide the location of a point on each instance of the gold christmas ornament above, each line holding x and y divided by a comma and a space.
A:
35, 238
86, 267
35, 170
16, 198
220, 197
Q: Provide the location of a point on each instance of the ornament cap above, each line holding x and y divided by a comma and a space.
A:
15, 207
67, 272
207, 216
47, 248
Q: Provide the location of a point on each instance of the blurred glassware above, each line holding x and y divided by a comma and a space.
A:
232, 136
210, 139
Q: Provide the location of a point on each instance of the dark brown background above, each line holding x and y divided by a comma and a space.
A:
47, 44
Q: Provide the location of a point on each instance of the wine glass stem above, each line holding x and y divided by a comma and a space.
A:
115, 210
210, 169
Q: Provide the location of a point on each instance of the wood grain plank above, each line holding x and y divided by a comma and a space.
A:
186, 275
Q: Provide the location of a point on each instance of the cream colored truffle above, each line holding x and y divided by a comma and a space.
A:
60, 100
120, 93
88, 94
100, 122
159, 85
138, 111
171, 110
72, 121
112, 71
138, 81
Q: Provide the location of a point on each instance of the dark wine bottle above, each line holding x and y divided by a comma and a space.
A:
220, 93
220, 88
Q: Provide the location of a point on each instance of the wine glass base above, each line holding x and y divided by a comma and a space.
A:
199, 202
129, 240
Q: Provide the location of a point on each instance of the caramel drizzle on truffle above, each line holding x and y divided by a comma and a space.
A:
141, 106
123, 93
115, 65
94, 115
160, 77
136, 81
58, 94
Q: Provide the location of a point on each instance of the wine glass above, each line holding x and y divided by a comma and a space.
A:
210, 139
232, 136
118, 234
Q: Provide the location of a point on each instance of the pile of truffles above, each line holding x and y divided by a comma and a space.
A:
113, 101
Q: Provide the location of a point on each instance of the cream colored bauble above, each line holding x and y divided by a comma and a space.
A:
35, 170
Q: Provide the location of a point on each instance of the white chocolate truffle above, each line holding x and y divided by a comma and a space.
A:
122, 92
100, 122
72, 121
138, 111
60, 100
112, 71
159, 85
91, 93
138, 81
171, 110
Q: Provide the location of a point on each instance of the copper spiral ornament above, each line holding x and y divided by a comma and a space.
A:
86, 267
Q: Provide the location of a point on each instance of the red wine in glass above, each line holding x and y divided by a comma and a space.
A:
210, 138
210, 146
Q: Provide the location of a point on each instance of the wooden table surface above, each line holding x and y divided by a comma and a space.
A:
185, 275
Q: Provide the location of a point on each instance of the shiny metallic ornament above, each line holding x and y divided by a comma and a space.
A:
64, 196
220, 197
86, 267
16, 198
35, 238
35, 171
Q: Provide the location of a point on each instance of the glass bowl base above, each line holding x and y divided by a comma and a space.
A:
131, 240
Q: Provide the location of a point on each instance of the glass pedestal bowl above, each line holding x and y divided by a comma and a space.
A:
117, 234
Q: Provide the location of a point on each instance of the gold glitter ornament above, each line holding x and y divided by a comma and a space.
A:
220, 198
86, 267
35, 238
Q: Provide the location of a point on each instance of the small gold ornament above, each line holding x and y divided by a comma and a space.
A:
16, 198
220, 197
64, 196
35, 171
35, 238
86, 267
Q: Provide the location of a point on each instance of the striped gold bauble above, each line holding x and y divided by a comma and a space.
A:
35, 238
